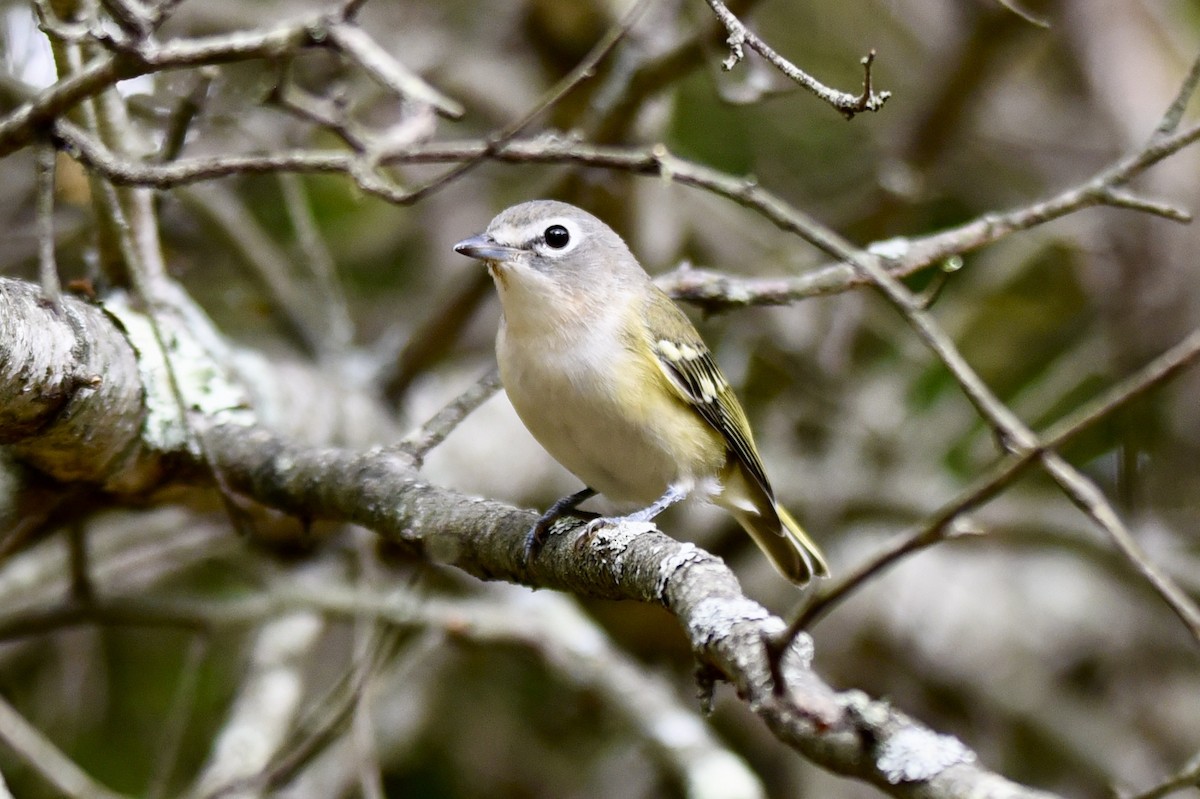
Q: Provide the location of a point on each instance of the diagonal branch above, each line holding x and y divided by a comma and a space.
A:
40, 754
940, 524
844, 732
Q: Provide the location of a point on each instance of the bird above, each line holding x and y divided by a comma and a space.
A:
615, 383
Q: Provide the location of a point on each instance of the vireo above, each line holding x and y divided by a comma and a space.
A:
613, 380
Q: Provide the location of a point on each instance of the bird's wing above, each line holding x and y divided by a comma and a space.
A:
691, 370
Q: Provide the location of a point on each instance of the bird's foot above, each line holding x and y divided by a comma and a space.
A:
535, 539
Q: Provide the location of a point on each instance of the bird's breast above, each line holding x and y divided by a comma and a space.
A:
597, 403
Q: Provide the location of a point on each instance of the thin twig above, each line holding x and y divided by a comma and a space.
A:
47, 267
1174, 114
1119, 198
421, 441
171, 739
1024, 13
314, 252
583, 71
40, 754
381, 65
133, 17
184, 113
848, 105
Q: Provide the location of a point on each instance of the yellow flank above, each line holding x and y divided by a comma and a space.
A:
642, 388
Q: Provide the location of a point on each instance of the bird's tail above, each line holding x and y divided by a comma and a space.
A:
784, 541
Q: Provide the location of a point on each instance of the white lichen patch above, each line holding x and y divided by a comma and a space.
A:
915, 754
687, 553
891, 248
714, 617
613, 540
738, 294
193, 377
799, 655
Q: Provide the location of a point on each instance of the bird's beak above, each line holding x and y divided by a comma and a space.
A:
485, 248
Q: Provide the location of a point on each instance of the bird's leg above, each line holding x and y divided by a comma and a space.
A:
536, 536
673, 494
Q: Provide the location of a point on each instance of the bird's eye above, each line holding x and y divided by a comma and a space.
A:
557, 236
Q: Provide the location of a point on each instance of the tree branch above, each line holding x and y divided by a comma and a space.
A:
845, 732
901, 256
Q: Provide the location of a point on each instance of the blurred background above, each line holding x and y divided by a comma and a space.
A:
1035, 642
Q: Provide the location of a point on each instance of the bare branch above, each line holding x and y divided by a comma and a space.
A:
134, 18
486, 539
185, 113
1174, 113
85, 419
846, 104
19, 128
941, 524
583, 71
902, 256
143, 57
421, 441
1125, 199
47, 266
1024, 13
382, 66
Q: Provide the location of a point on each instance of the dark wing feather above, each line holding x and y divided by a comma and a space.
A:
690, 368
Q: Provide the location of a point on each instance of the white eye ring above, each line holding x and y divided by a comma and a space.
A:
560, 226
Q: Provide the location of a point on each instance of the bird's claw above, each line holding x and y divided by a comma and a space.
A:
535, 539
589, 531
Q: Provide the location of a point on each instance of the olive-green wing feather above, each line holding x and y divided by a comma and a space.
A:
692, 371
